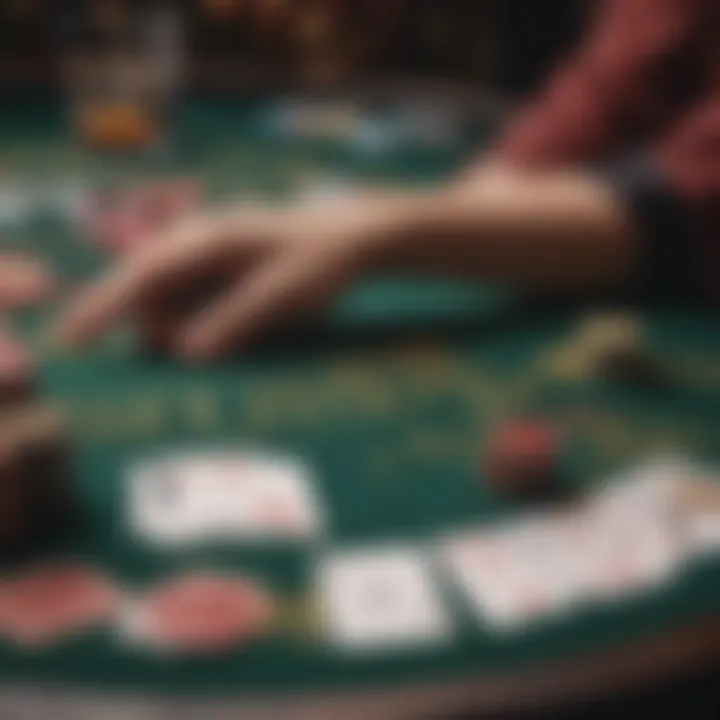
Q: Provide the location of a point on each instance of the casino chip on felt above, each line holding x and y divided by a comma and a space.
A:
199, 613
47, 603
524, 459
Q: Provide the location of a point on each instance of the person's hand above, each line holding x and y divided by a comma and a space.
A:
23, 282
264, 265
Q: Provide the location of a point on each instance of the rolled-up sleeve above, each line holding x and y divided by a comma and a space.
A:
688, 159
642, 89
620, 84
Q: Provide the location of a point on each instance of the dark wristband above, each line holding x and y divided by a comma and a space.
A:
666, 263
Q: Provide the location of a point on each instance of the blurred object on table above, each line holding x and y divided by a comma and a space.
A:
122, 68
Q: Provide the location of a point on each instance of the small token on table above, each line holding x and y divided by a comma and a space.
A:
523, 459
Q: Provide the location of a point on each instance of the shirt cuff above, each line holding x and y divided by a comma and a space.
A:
666, 268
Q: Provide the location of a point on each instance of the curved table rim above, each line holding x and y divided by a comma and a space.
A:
556, 685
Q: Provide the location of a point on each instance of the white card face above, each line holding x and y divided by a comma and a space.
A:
165, 506
223, 495
622, 558
649, 487
513, 575
700, 504
381, 600
640, 520
282, 502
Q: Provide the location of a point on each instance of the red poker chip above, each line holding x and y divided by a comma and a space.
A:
47, 603
523, 453
205, 614
527, 438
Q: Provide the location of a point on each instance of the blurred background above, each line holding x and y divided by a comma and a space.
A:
498, 45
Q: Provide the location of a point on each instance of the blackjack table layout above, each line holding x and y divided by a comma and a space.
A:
386, 402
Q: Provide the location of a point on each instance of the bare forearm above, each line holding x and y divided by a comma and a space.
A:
560, 232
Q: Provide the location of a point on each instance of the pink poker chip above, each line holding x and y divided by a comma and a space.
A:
204, 614
47, 603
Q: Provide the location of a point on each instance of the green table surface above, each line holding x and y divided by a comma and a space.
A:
388, 399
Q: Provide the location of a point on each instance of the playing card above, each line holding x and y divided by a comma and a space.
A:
381, 599
282, 501
705, 533
517, 573
480, 565
639, 534
699, 501
656, 496
622, 558
224, 495
648, 487
168, 503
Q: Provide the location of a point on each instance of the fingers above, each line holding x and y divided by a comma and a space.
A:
23, 282
158, 265
16, 362
285, 287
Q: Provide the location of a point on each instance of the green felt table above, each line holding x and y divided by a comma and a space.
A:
389, 399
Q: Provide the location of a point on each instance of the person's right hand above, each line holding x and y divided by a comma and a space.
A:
264, 265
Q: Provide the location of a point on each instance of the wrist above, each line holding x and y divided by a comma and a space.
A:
391, 228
